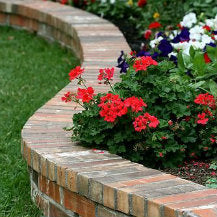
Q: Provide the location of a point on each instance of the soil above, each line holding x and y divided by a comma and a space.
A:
196, 171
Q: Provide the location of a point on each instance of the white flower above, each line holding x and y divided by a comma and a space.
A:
206, 39
156, 41
189, 20
112, 1
196, 37
172, 54
197, 44
197, 30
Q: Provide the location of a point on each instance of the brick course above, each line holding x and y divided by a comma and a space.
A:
69, 180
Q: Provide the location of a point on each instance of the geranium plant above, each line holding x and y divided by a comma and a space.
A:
151, 116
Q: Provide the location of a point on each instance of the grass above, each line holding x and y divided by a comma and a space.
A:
31, 72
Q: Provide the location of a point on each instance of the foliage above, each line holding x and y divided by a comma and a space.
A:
182, 122
24, 82
138, 14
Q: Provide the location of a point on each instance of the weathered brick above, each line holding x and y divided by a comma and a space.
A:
109, 196
138, 206
72, 180
95, 191
51, 170
205, 212
56, 212
53, 191
123, 201
78, 204
83, 185
153, 209
61, 177
36, 161
3, 18
104, 212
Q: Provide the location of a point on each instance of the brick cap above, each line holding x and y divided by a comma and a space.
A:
99, 176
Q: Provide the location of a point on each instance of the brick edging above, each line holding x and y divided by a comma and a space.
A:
66, 176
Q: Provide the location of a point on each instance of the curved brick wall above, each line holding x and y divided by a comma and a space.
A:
70, 180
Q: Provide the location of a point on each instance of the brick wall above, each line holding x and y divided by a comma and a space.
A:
70, 180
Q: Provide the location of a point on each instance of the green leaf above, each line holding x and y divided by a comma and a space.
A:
213, 87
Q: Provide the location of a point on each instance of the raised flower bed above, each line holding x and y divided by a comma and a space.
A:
70, 180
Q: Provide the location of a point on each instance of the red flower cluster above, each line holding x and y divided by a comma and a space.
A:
142, 3
86, 95
154, 25
206, 99
135, 103
64, 2
207, 28
202, 119
206, 58
111, 107
142, 121
143, 63
106, 74
147, 34
74, 73
67, 97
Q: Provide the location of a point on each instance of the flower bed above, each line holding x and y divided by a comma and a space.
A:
134, 16
159, 108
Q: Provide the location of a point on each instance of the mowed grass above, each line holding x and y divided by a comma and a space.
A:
31, 72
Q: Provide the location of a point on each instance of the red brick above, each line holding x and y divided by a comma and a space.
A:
56, 212
153, 209
194, 203
43, 204
186, 196
3, 18
72, 181
205, 212
78, 204
53, 191
16, 20
42, 183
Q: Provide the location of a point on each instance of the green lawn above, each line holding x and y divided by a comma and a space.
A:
31, 72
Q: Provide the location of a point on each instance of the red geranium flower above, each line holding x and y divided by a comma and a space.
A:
143, 63
142, 3
135, 103
111, 107
147, 34
202, 119
106, 74
67, 97
206, 99
86, 95
154, 25
161, 154
64, 2
207, 28
170, 122
74, 73
142, 121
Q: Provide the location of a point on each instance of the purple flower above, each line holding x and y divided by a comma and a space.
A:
174, 59
122, 64
143, 53
155, 55
165, 47
184, 35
